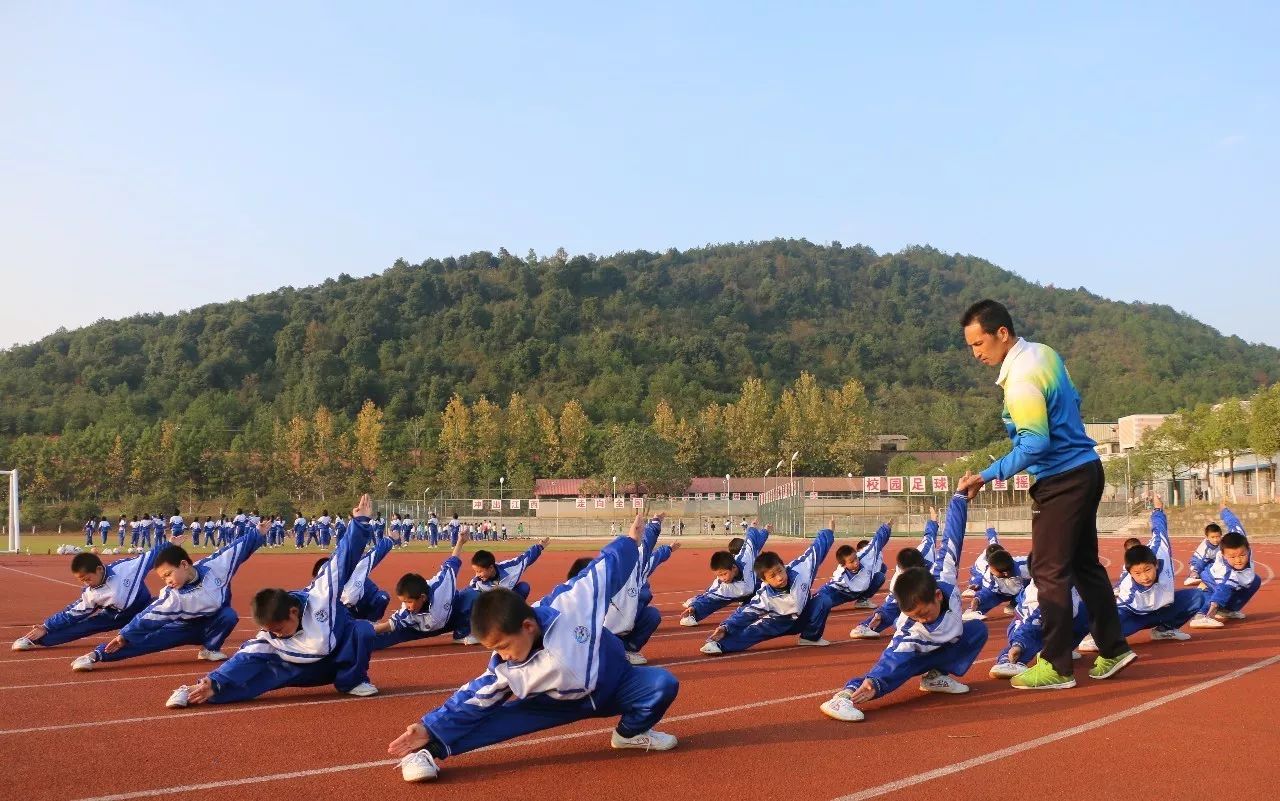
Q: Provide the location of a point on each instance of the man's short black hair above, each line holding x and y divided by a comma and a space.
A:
910, 557
736, 544
1234, 539
172, 555
991, 315
499, 611
1213, 528
1139, 555
723, 560
915, 586
862, 544
1001, 561
578, 566
85, 563
843, 552
992, 549
1131, 542
321, 562
483, 559
412, 585
767, 561
272, 605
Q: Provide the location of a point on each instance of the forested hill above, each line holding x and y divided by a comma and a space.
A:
619, 333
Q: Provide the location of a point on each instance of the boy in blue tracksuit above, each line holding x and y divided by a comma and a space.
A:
113, 594
1004, 576
90, 526
144, 531
194, 608
104, 529
735, 578
781, 606
210, 526
1026, 632
1230, 581
858, 574
307, 639
1206, 552
931, 641
429, 607
362, 598
177, 525
299, 531
124, 524
979, 569
553, 664
455, 526
920, 556
433, 530
1146, 598
491, 574
632, 616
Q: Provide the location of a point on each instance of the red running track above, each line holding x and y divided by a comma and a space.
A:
748, 723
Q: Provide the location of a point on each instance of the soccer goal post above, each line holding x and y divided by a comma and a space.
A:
13, 519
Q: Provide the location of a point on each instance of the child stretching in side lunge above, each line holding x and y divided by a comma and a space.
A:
308, 637
1206, 552
553, 664
920, 556
858, 574
362, 598
1230, 582
735, 578
1026, 633
931, 640
781, 606
428, 607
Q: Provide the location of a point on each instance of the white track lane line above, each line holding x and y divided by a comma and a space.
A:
77, 585
1049, 739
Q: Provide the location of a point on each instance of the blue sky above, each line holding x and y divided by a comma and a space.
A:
156, 157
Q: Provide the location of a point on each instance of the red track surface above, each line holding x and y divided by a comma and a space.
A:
748, 722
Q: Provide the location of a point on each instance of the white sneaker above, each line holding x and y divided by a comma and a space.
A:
688, 620
636, 658
211, 656
973, 614
468, 640
363, 690
179, 699
649, 741
865, 603
1229, 615
1087, 645
83, 664
864, 632
23, 644
1205, 622
1191, 581
820, 642
841, 708
714, 648
419, 766
968, 594
938, 682
1169, 634
1006, 670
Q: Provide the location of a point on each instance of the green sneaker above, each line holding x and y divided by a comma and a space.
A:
1042, 676
1104, 668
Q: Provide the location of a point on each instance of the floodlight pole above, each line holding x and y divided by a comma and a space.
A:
15, 522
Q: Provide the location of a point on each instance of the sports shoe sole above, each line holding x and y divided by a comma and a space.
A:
1120, 665
1062, 686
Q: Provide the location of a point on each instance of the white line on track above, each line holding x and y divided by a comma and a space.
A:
1049, 739
46, 578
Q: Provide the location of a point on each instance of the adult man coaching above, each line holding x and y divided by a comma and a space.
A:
1042, 416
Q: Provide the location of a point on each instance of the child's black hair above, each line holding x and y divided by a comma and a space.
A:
1139, 555
1233, 539
723, 560
1131, 542
991, 549
862, 544
272, 605
412, 585
499, 611
85, 563
843, 552
767, 561
1001, 561
910, 557
915, 586
173, 556
736, 544
1212, 528
483, 559
321, 562
578, 566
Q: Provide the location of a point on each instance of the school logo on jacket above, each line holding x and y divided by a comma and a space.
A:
217, 580
322, 616
580, 634
632, 592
